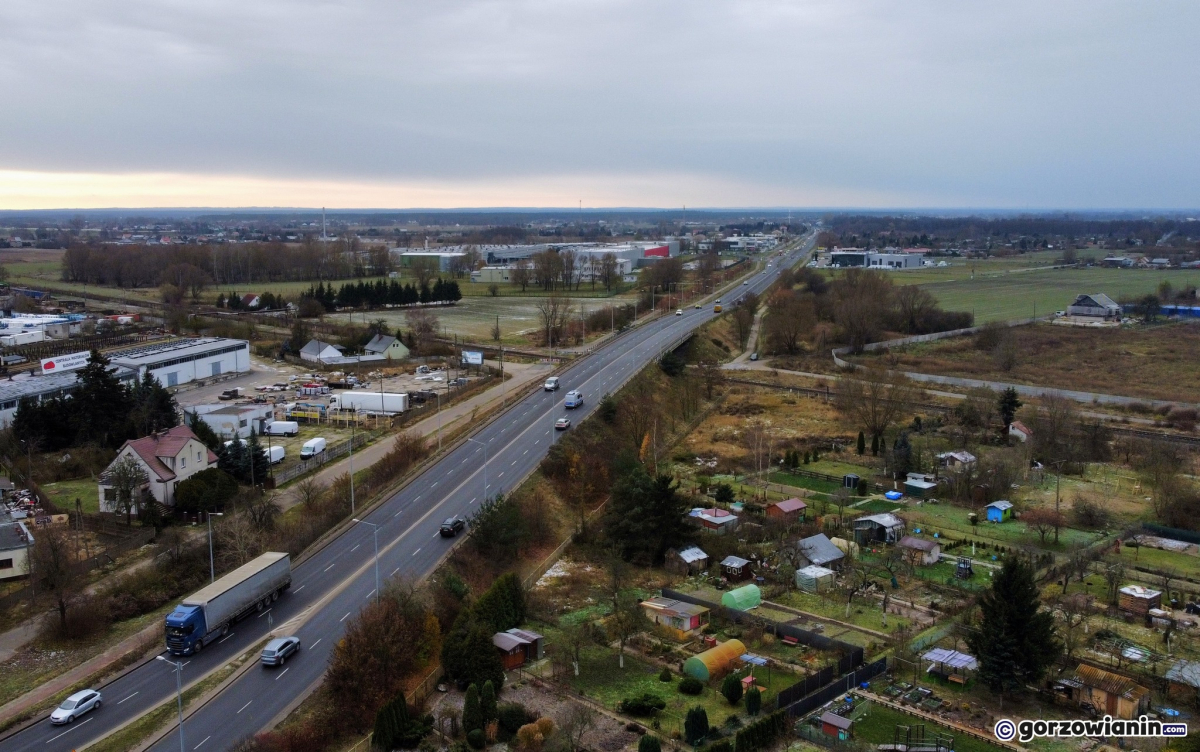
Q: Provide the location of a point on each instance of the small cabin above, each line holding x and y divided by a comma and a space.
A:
1109, 693
1139, 600
920, 485
788, 511
999, 511
691, 560
878, 528
718, 521
681, 620
835, 725
736, 569
919, 551
518, 646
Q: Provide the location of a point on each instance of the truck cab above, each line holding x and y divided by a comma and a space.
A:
185, 627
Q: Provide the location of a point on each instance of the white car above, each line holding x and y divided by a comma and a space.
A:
746, 282
76, 705
562, 424
679, 312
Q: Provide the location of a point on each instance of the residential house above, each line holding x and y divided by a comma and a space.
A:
1138, 600
919, 551
251, 300
317, 351
999, 511
1108, 693
681, 620
956, 460
835, 725
718, 521
690, 560
518, 646
882, 528
1019, 431
788, 510
389, 347
1095, 305
736, 569
818, 550
15, 542
166, 458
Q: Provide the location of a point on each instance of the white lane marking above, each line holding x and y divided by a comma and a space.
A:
347, 616
318, 642
201, 744
472, 501
394, 571
185, 663
264, 613
437, 535
355, 548
281, 673
418, 498
226, 637
434, 485
127, 698
244, 706
330, 567
525, 452
68, 731
502, 472
416, 552
297, 590
397, 514
369, 595
514, 461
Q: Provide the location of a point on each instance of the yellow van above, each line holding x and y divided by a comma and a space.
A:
717, 308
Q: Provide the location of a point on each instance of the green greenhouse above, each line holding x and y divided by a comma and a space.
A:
743, 598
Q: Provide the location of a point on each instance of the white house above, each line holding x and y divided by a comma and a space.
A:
1095, 305
389, 347
166, 458
1019, 431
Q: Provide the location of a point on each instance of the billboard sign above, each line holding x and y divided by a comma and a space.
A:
72, 362
472, 358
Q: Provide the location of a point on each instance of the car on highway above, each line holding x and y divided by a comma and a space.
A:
697, 306
452, 526
679, 312
717, 308
277, 651
574, 399
83, 701
746, 282
551, 384
562, 424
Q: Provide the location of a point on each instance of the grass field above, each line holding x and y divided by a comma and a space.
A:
877, 725
951, 521
863, 612
64, 493
1155, 362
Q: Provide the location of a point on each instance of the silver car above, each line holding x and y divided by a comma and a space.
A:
83, 701
277, 651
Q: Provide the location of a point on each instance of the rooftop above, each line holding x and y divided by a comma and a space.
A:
693, 554
177, 348
736, 562
674, 607
1111, 683
919, 544
1138, 591
819, 549
790, 505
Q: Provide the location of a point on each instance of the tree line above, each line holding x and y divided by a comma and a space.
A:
381, 294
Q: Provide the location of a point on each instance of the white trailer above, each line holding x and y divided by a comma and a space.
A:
207, 613
372, 402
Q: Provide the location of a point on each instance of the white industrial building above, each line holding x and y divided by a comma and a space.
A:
875, 260
41, 387
183, 360
227, 421
443, 258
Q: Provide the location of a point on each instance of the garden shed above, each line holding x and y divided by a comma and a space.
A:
819, 550
716, 660
743, 598
950, 664
736, 569
814, 579
788, 510
920, 486
999, 511
688, 561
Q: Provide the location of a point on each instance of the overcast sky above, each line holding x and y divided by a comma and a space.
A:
398, 103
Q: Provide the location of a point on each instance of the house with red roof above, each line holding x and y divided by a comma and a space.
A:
166, 458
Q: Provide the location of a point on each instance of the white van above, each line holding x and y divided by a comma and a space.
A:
551, 384
283, 428
275, 454
312, 448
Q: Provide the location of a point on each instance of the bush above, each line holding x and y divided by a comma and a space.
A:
472, 713
731, 688
690, 685
695, 725
649, 743
645, 705
753, 701
512, 716
476, 738
665, 676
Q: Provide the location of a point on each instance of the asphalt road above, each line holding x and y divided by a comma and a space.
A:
329, 588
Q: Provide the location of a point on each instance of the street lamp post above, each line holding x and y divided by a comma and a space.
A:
212, 569
376, 533
485, 464
439, 399
178, 694
352, 427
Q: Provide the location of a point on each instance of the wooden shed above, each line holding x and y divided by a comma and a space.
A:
1138, 600
736, 569
1111, 694
835, 725
788, 510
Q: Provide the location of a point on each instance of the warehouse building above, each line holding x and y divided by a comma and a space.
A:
41, 387
183, 360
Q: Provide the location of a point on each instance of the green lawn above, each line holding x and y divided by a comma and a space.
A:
875, 506
876, 724
1185, 565
864, 612
64, 493
952, 521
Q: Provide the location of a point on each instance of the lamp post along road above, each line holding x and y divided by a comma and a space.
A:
485, 465
378, 590
178, 694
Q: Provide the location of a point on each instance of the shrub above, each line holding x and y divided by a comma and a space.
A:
472, 713
512, 716
644, 705
731, 688
476, 738
753, 701
690, 685
649, 743
530, 738
665, 676
695, 725
487, 703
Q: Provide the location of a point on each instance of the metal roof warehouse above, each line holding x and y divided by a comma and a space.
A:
183, 360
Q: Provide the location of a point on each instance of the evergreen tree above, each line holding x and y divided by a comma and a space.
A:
649, 743
154, 408
468, 654
874, 445
386, 729
862, 443
487, 703
1008, 405
258, 464
472, 714
753, 701
731, 688
695, 726
1016, 641
902, 454
101, 403
645, 516
204, 432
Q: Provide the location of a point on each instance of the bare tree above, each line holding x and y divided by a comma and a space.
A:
553, 312
789, 317
1043, 521
627, 618
1114, 575
608, 271
423, 323
1072, 612
52, 564
875, 398
575, 720
424, 269
521, 274
126, 478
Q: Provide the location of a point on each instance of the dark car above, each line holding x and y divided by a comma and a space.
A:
277, 651
453, 527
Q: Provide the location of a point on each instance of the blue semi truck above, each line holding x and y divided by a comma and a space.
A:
207, 614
